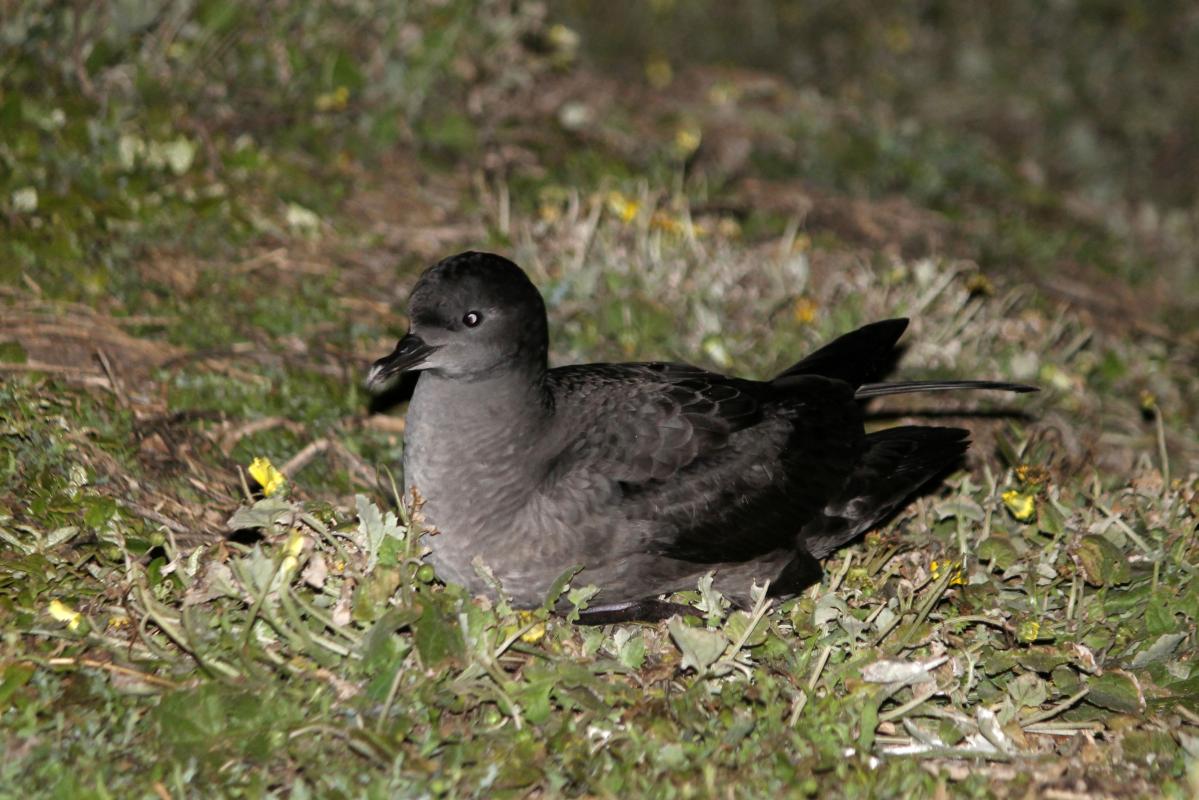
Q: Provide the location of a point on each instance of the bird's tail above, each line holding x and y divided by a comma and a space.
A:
863, 354
907, 387
896, 464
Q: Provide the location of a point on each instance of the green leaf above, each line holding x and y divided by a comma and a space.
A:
1049, 519
380, 645
99, 510
738, 625
534, 700
578, 597
962, 508
1116, 691
1066, 680
1161, 649
16, 675
370, 599
868, 721
263, 514
438, 637
1103, 564
1148, 746
374, 526
1042, 659
630, 647
391, 550
1159, 617
1028, 691
998, 551
560, 584
700, 647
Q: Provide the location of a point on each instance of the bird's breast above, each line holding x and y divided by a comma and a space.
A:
479, 484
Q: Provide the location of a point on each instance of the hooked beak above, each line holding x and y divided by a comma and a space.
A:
410, 353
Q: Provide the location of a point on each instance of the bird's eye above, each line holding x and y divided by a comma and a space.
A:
472, 319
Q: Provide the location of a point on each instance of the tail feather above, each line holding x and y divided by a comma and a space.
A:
860, 355
907, 387
896, 463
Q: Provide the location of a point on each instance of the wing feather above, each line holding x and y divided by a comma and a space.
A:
712, 468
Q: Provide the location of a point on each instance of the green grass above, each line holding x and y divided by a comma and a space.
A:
1029, 625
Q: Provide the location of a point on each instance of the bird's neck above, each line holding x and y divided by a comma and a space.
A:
487, 412
469, 443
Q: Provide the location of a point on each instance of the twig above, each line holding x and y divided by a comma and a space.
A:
112, 378
366, 475
1063, 728
37, 366
925, 608
306, 454
899, 711
832, 587
1187, 714
154, 516
1053, 711
392, 691
230, 439
114, 668
1161, 449
1121, 524
819, 668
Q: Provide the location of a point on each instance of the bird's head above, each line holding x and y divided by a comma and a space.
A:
470, 315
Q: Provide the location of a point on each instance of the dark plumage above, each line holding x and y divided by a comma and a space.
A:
645, 475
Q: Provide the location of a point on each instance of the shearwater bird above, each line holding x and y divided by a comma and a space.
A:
646, 476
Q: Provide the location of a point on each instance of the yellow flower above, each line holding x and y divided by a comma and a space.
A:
335, 100
563, 38
1028, 631
295, 543
295, 546
805, 310
723, 94
1032, 475
1022, 504
549, 213
1059, 378
270, 479
659, 73
687, 139
1148, 400
623, 207
939, 568
64, 613
898, 38
534, 634
980, 284
663, 221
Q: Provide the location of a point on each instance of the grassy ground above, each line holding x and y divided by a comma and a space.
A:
211, 214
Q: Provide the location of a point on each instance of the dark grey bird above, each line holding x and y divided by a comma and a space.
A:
648, 475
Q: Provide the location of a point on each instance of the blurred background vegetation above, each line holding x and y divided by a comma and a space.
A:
1047, 132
